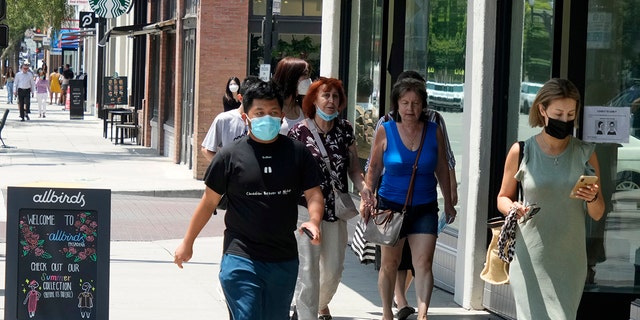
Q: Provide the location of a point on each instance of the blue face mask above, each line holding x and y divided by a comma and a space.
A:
325, 116
265, 128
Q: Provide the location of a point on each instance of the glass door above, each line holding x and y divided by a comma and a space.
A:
186, 152
612, 100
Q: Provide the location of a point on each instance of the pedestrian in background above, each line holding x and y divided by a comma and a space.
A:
395, 149
54, 86
263, 175
335, 152
67, 75
9, 77
42, 92
227, 126
548, 271
292, 77
23, 87
230, 99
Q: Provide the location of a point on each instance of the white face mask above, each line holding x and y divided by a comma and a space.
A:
303, 86
233, 87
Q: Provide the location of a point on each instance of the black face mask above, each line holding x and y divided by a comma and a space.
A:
559, 129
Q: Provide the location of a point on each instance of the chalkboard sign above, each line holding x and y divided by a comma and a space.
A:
115, 90
76, 99
57, 265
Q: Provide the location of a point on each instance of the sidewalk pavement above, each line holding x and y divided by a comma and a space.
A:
152, 199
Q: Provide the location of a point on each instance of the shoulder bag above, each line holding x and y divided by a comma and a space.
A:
384, 226
496, 270
345, 209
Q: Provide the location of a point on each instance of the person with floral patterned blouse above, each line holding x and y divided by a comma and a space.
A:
321, 266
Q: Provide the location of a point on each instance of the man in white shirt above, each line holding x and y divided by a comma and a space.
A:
24, 86
227, 126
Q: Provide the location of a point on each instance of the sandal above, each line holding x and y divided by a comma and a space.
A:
324, 317
405, 312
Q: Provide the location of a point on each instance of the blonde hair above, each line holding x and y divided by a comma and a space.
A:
553, 89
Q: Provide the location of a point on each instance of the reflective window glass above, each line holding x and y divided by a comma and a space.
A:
612, 80
439, 28
365, 73
533, 45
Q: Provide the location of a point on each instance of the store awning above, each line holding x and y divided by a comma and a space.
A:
71, 35
138, 30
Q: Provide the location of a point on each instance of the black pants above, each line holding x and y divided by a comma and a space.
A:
24, 102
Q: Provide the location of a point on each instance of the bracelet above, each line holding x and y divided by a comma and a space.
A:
594, 199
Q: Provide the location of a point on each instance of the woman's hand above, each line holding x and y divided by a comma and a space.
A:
588, 193
451, 213
367, 203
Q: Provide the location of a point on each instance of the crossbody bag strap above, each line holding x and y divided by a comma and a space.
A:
323, 151
415, 169
520, 156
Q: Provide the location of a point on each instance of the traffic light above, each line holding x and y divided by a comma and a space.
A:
4, 35
4, 30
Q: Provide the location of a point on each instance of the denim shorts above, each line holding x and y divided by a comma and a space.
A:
420, 219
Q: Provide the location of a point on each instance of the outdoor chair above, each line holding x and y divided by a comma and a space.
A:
4, 120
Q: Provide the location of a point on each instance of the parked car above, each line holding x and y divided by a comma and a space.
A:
528, 92
626, 98
628, 171
445, 96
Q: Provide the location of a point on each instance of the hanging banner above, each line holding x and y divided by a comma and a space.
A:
110, 8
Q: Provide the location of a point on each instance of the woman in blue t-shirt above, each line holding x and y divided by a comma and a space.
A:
395, 149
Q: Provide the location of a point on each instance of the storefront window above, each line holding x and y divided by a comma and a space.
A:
534, 46
303, 46
309, 8
613, 81
292, 33
365, 74
439, 28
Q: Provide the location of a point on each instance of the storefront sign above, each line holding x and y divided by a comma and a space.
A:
75, 98
57, 265
109, 8
115, 91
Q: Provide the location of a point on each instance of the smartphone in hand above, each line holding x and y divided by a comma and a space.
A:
307, 232
582, 182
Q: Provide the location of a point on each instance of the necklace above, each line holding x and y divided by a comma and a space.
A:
324, 132
412, 138
550, 151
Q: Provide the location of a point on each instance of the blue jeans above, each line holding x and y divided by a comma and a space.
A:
9, 92
258, 290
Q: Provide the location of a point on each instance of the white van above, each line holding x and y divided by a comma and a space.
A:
528, 91
445, 96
